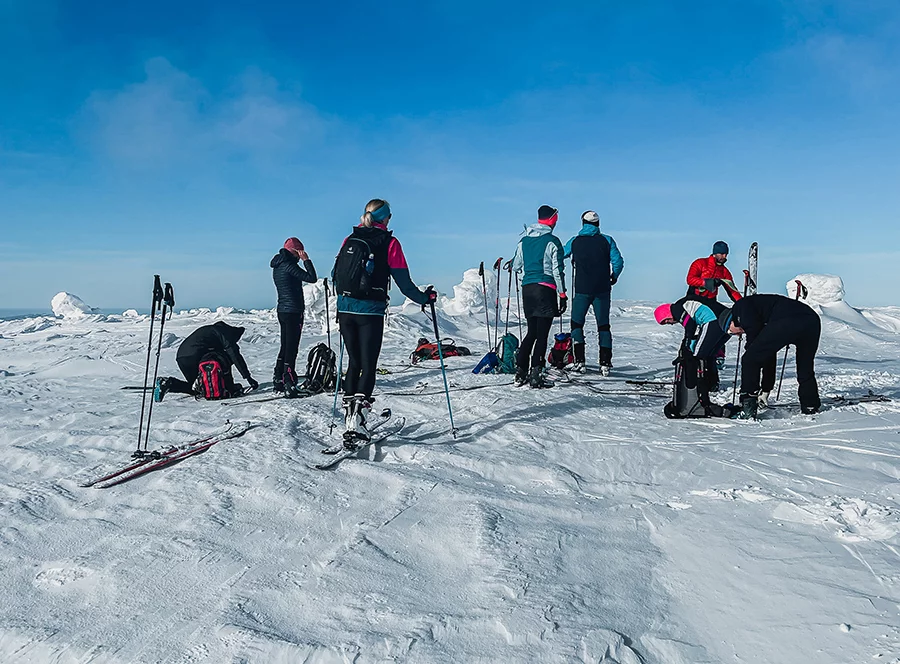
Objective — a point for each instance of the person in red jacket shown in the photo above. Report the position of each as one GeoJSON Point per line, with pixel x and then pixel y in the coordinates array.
{"type": "Point", "coordinates": [707, 274]}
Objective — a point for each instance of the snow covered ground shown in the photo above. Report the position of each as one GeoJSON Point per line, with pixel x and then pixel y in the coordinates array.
{"type": "Point", "coordinates": [560, 525]}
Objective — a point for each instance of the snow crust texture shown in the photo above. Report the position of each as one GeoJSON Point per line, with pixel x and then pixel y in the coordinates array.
{"type": "Point", "coordinates": [575, 524]}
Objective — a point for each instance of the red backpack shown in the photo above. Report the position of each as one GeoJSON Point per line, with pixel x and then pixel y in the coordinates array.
{"type": "Point", "coordinates": [561, 355]}
{"type": "Point", "coordinates": [211, 381]}
{"type": "Point", "coordinates": [429, 351]}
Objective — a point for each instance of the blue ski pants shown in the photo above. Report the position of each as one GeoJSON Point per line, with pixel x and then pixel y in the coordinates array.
{"type": "Point", "coordinates": [580, 305]}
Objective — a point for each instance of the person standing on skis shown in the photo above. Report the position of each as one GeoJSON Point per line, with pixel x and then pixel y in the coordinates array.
{"type": "Point", "coordinates": [539, 258]}
{"type": "Point", "coordinates": [706, 275]}
{"type": "Point", "coordinates": [289, 278]}
{"type": "Point", "coordinates": [369, 258]}
{"type": "Point", "coordinates": [772, 322]}
{"type": "Point", "coordinates": [597, 264]}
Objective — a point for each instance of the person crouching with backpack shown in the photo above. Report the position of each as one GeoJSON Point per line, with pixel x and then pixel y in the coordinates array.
{"type": "Point", "coordinates": [289, 278]}
{"type": "Point", "coordinates": [368, 259]}
{"type": "Point", "coordinates": [539, 256]}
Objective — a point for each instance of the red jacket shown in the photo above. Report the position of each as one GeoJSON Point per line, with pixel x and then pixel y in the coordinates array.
{"type": "Point", "coordinates": [707, 268]}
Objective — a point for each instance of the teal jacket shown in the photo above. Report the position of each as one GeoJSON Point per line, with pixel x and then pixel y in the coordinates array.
{"type": "Point", "coordinates": [539, 258]}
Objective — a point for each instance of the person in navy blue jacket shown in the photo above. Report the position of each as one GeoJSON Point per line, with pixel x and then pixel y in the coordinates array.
{"type": "Point", "coordinates": [598, 264]}
{"type": "Point", "coordinates": [289, 278]}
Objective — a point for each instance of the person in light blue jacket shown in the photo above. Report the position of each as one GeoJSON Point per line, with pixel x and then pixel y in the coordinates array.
{"type": "Point", "coordinates": [597, 264]}
{"type": "Point", "coordinates": [539, 259]}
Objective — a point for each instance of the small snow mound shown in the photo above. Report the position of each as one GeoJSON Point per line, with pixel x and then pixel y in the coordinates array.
{"type": "Point", "coordinates": [820, 288]}
{"type": "Point", "coordinates": [223, 312]}
{"type": "Point", "coordinates": [468, 296]}
{"type": "Point", "coordinates": [66, 305]}
{"type": "Point", "coordinates": [130, 313]}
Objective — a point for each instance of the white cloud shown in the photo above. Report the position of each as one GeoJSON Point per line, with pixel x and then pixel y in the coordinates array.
{"type": "Point", "coordinates": [171, 119]}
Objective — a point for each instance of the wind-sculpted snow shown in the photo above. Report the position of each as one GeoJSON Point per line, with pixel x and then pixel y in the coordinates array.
{"type": "Point", "coordinates": [560, 525]}
{"type": "Point", "coordinates": [66, 305]}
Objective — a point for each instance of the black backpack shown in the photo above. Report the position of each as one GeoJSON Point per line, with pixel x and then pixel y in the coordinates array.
{"type": "Point", "coordinates": [690, 397]}
{"type": "Point", "coordinates": [321, 370]}
{"type": "Point", "coordinates": [353, 269]}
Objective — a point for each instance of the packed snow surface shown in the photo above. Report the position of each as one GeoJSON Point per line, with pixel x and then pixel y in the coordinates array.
{"type": "Point", "coordinates": [561, 525]}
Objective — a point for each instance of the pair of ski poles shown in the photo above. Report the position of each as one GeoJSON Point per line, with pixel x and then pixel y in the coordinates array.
{"type": "Point", "coordinates": [164, 302]}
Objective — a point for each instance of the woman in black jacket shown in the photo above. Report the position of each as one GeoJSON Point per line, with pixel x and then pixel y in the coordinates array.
{"type": "Point", "coordinates": [289, 278]}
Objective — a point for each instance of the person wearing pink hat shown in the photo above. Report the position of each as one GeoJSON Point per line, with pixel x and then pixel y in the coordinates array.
{"type": "Point", "coordinates": [705, 330]}
{"type": "Point", "coordinates": [289, 278]}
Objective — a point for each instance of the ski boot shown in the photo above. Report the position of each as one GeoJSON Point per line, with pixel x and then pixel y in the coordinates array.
{"type": "Point", "coordinates": [521, 376]}
{"type": "Point", "coordinates": [762, 402]}
{"type": "Point", "coordinates": [161, 389]}
{"type": "Point", "coordinates": [289, 383]}
{"type": "Point", "coordinates": [749, 407]}
{"type": "Point", "coordinates": [536, 380]}
{"type": "Point", "coordinates": [578, 365]}
{"type": "Point", "coordinates": [278, 382]}
{"type": "Point", "coordinates": [356, 434]}
{"type": "Point", "coordinates": [605, 361]}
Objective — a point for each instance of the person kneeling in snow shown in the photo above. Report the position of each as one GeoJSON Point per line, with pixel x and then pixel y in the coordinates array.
{"type": "Point", "coordinates": [705, 335]}
{"type": "Point", "coordinates": [216, 348]}
{"type": "Point", "coordinates": [772, 322]}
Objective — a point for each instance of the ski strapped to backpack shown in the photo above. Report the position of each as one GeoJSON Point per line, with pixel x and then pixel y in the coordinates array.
{"type": "Point", "coordinates": [426, 350]}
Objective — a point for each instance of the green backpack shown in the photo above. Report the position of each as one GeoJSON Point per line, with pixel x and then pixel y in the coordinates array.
{"type": "Point", "coordinates": [506, 353]}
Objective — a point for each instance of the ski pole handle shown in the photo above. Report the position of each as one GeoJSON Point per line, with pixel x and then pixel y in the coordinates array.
{"type": "Point", "coordinates": [157, 290]}
{"type": "Point", "coordinates": [497, 263]}
{"type": "Point", "coordinates": [169, 297]}
{"type": "Point", "coordinates": [481, 269]}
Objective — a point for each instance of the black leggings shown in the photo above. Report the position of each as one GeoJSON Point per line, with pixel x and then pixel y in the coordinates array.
{"type": "Point", "coordinates": [362, 337]}
{"type": "Point", "coordinates": [291, 329]}
{"type": "Point", "coordinates": [535, 342]}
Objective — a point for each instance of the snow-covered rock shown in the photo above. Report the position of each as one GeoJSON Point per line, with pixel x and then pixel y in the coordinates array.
{"type": "Point", "coordinates": [66, 305]}
{"type": "Point", "coordinates": [820, 288]}
{"type": "Point", "coordinates": [468, 296]}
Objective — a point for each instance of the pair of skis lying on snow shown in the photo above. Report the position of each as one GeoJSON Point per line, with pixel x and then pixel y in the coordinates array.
{"type": "Point", "coordinates": [162, 458]}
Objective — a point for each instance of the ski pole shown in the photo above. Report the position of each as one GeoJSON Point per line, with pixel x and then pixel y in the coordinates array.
{"type": "Point", "coordinates": [518, 305]}
{"type": "Point", "coordinates": [508, 268]}
{"type": "Point", "coordinates": [168, 304]}
{"type": "Point", "coordinates": [327, 315]}
{"type": "Point", "coordinates": [784, 361]}
{"type": "Point", "coordinates": [487, 320]}
{"type": "Point", "coordinates": [737, 360]}
{"type": "Point", "coordinates": [157, 299]}
{"type": "Point", "coordinates": [337, 387]}
{"type": "Point", "coordinates": [497, 265]}
{"type": "Point", "coordinates": [437, 335]}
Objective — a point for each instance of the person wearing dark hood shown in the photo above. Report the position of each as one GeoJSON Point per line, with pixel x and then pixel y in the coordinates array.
{"type": "Point", "coordinates": [368, 259]}
{"type": "Point", "coordinates": [289, 278]}
{"type": "Point", "coordinates": [211, 343]}
{"type": "Point", "coordinates": [772, 322]}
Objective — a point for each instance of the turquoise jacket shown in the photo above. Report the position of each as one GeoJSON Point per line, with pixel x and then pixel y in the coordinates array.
{"type": "Point", "coordinates": [539, 258]}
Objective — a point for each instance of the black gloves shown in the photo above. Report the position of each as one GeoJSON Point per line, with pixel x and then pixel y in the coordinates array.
{"type": "Point", "coordinates": [253, 383]}
{"type": "Point", "coordinates": [613, 279]}
{"type": "Point", "coordinates": [430, 295]}
{"type": "Point", "coordinates": [563, 304]}
{"type": "Point", "coordinates": [710, 284]}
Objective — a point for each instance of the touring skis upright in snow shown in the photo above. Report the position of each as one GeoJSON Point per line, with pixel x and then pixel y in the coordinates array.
{"type": "Point", "coordinates": [750, 281]}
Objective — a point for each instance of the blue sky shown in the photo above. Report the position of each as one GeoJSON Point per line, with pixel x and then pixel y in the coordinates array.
{"type": "Point", "coordinates": [191, 138]}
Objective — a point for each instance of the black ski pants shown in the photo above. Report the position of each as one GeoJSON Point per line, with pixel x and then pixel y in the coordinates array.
{"type": "Point", "coordinates": [803, 332]}
{"type": "Point", "coordinates": [534, 345]}
{"type": "Point", "coordinates": [362, 337]}
{"type": "Point", "coordinates": [291, 325]}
